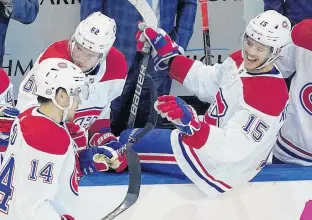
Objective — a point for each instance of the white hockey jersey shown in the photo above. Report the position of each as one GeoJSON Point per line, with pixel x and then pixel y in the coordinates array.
{"type": "Point", "coordinates": [106, 85]}
{"type": "Point", "coordinates": [38, 166]}
{"type": "Point", "coordinates": [240, 127]}
{"type": "Point", "coordinates": [294, 143]}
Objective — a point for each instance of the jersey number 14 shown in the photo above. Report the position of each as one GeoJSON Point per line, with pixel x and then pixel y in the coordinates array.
{"type": "Point", "coordinates": [6, 180]}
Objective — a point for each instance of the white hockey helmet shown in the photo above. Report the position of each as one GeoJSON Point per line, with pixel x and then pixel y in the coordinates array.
{"type": "Point", "coordinates": [97, 33]}
{"type": "Point", "coordinates": [271, 29]}
{"type": "Point", "coordinates": [54, 73]}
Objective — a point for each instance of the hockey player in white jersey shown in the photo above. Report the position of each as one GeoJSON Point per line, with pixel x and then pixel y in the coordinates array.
{"type": "Point", "coordinates": [91, 49]}
{"type": "Point", "coordinates": [40, 159]}
{"type": "Point", "coordinates": [294, 143]}
{"type": "Point", "coordinates": [248, 97]}
{"type": "Point", "coordinates": [7, 111]}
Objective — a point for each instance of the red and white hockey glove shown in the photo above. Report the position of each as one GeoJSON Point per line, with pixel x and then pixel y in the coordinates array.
{"type": "Point", "coordinates": [78, 134]}
{"type": "Point", "coordinates": [109, 142]}
{"type": "Point", "coordinates": [179, 113]}
{"type": "Point", "coordinates": [163, 48]}
{"type": "Point", "coordinates": [67, 217]}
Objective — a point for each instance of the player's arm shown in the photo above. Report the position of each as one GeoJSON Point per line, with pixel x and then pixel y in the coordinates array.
{"type": "Point", "coordinates": [7, 112]}
{"type": "Point", "coordinates": [185, 19]}
{"type": "Point", "coordinates": [87, 7]}
{"type": "Point", "coordinates": [286, 62]}
{"type": "Point", "coordinates": [24, 11]}
{"type": "Point", "coordinates": [276, 5]}
{"type": "Point", "coordinates": [301, 35]}
{"type": "Point", "coordinates": [249, 125]}
{"type": "Point", "coordinates": [203, 81]}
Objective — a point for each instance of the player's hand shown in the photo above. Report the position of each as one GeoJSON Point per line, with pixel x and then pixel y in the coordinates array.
{"type": "Point", "coordinates": [142, 43]}
{"type": "Point", "coordinates": [89, 160]}
{"type": "Point", "coordinates": [179, 113]}
{"type": "Point", "coordinates": [78, 134]}
{"type": "Point", "coordinates": [163, 48]}
{"type": "Point", "coordinates": [7, 117]}
{"type": "Point", "coordinates": [110, 142]}
{"type": "Point", "coordinates": [9, 112]}
{"type": "Point", "coordinates": [67, 217]}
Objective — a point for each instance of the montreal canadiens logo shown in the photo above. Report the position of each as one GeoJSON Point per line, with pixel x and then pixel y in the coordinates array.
{"type": "Point", "coordinates": [306, 98]}
{"type": "Point", "coordinates": [285, 24]}
{"type": "Point", "coordinates": [62, 65]}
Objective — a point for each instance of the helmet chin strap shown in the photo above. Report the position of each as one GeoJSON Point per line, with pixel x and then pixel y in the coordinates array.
{"type": "Point", "coordinates": [65, 110]}
{"type": "Point", "coordinates": [272, 58]}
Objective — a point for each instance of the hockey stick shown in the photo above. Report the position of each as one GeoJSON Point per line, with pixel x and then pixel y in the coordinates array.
{"type": "Point", "coordinates": [133, 159]}
{"type": "Point", "coordinates": [150, 19]}
{"type": "Point", "coordinates": [206, 34]}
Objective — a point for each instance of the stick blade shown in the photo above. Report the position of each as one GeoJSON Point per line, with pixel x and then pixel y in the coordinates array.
{"type": "Point", "coordinates": [132, 196]}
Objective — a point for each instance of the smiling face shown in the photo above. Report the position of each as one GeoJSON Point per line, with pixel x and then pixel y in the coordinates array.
{"type": "Point", "coordinates": [255, 53]}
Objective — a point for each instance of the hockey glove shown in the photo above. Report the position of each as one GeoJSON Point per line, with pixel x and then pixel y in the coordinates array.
{"type": "Point", "coordinates": [307, 211]}
{"type": "Point", "coordinates": [7, 117]}
{"type": "Point", "coordinates": [78, 134]}
{"type": "Point", "coordinates": [91, 160]}
{"type": "Point", "coordinates": [109, 141]}
{"type": "Point", "coordinates": [183, 116]}
{"type": "Point", "coordinates": [67, 217]}
{"type": "Point", "coordinates": [163, 48]}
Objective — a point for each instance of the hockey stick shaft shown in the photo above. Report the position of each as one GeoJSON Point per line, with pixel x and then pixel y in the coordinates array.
{"type": "Point", "coordinates": [138, 90]}
{"type": "Point", "coordinates": [206, 33]}
{"type": "Point", "coordinates": [150, 19]}
{"type": "Point", "coordinates": [133, 159]}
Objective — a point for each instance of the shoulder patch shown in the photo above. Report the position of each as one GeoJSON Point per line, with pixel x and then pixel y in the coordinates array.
{"type": "Point", "coordinates": [45, 136]}
{"type": "Point", "coordinates": [59, 49]}
{"type": "Point", "coordinates": [237, 57]}
{"type": "Point", "coordinates": [266, 94]}
{"type": "Point", "coordinates": [116, 66]}
{"type": "Point", "coordinates": [5, 81]}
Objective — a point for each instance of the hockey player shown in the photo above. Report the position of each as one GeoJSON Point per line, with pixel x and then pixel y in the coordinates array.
{"type": "Point", "coordinates": [248, 99]}
{"type": "Point", "coordinates": [7, 111]}
{"type": "Point", "coordinates": [41, 155]}
{"type": "Point", "coordinates": [294, 141]}
{"type": "Point", "coordinates": [90, 48]}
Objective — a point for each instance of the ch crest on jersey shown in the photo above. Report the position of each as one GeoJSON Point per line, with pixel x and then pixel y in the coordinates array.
{"type": "Point", "coordinates": [216, 110]}
{"type": "Point", "coordinates": [86, 117]}
{"type": "Point", "coordinates": [306, 98]}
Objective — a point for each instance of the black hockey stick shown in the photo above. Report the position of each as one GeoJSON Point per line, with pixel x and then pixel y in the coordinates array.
{"type": "Point", "coordinates": [138, 90]}
{"type": "Point", "coordinates": [206, 34]}
{"type": "Point", "coordinates": [150, 19]}
{"type": "Point", "coordinates": [133, 158]}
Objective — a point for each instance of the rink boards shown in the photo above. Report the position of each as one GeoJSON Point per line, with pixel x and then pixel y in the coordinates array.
{"type": "Point", "coordinates": [278, 192]}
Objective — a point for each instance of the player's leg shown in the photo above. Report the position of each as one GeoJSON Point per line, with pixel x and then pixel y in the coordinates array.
{"type": "Point", "coordinates": [275, 160]}
{"type": "Point", "coordinates": [155, 152]}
